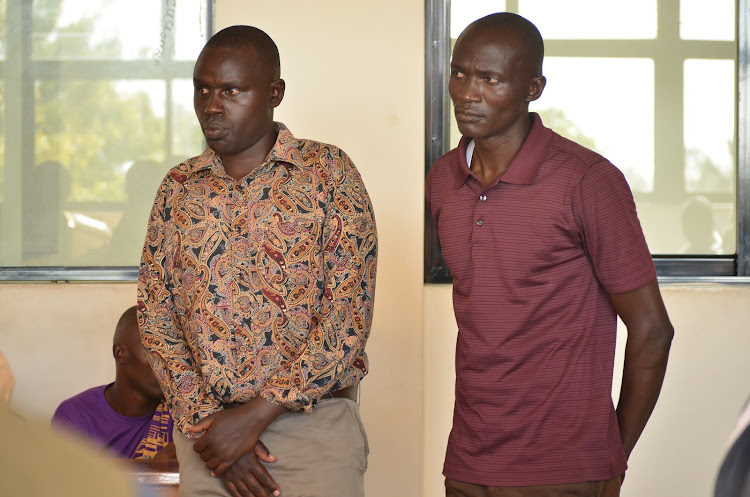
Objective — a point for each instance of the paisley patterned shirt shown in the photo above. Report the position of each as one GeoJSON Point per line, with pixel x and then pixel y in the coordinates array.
{"type": "Point", "coordinates": [260, 286]}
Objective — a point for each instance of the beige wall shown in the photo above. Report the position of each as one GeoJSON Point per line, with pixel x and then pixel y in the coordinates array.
{"type": "Point", "coordinates": [355, 78]}
{"type": "Point", "coordinates": [58, 339]}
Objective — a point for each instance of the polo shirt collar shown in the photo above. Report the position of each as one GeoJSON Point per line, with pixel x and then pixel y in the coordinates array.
{"type": "Point", "coordinates": [525, 164]}
{"type": "Point", "coordinates": [285, 141]}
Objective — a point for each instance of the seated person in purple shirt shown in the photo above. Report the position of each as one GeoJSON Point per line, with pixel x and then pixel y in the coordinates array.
{"type": "Point", "coordinates": [128, 416]}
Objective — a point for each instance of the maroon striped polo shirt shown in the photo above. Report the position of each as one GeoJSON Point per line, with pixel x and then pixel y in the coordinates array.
{"type": "Point", "coordinates": [534, 257]}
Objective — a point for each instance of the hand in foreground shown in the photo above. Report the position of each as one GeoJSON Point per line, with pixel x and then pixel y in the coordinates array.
{"type": "Point", "coordinates": [167, 452]}
{"type": "Point", "coordinates": [232, 433]}
{"type": "Point", "coordinates": [249, 478]}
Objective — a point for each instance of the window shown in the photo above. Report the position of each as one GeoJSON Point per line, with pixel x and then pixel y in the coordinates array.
{"type": "Point", "coordinates": [96, 106]}
{"type": "Point", "coordinates": [653, 86]}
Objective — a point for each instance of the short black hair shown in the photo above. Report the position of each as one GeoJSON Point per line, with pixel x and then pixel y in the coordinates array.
{"type": "Point", "coordinates": [241, 36]}
{"type": "Point", "coordinates": [532, 38]}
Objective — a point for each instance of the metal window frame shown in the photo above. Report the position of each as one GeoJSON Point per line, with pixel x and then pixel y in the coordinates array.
{"type": "Point", "coordinates": [17, 12]}
{"type": "Point", "coordinates": [708, 269]}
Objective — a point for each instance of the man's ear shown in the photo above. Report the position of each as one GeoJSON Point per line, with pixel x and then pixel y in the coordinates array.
{"type": "Point", "coordinates": [278, 88]}
{"type": "Point", "coordinates": [120, 353]}
{"type": "Point", "coordinates": [536, 88]}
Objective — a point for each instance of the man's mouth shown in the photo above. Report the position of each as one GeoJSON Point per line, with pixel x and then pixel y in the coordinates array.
{"type": "Point", "coordinates": [467, 116]}
{"type": "Point", "coordinates": [213, 132]}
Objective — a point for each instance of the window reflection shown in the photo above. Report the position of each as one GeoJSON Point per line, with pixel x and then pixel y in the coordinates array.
{"type": "Point", "coordinates": [709, 125]}
{"type": "Point", "coordinates": [189, 19]}
{"type": "Point", "coordinates": [592, 19]}
{"type": "Point", "coordinates": [97, 120]}
{"type": "Point", "coordinates": [3, 28]}
{"type": "Point", "coordinates": [118, 29]}
{"type": "Point", "coordinates": [623, 131]}
{"type": "Point", "coordinates": [700, 20]}
{"type": "Point", "coordinates": [187, 138]}
{"type": "Point", "coordinates": [95, 127]}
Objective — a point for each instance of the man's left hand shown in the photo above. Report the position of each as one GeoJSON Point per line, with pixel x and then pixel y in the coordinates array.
{"type": "Point", "coordinates": [167, 452]}
{"type": "Point", "coordinates": [232, 433]}
{"type": "Point", "coordinates": [249, 478]}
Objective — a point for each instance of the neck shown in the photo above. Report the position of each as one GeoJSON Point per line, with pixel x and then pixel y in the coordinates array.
{"type": "Point", "coordinates": [240, 165]}
{"type": "Point", "coordinates": [128, 402]}
{"type": "Point", "coordinates": [493, 155]}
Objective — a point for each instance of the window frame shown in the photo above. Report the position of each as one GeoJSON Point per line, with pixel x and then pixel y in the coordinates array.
{"type": "Point", "coordinates": [19, 14]}
{"type": "Point", "coordinates": [705, 269]}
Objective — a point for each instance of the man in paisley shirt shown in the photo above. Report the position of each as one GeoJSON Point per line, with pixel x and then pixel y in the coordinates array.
{"type": "Point", "coordinates": [256, 290]}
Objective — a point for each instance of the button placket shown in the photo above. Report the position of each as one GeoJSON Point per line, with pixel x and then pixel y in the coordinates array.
{"type": "Point", "coordinates": [482, 198]}
{"type": "Point", "coordinates": [236, 214]}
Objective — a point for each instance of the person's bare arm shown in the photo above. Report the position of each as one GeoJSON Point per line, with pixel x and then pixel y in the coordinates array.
{"type": "Point", "coordinates": [649, 338]}
{"type": "Point", "coordinates": [249, 478]}
{"type": "Point", "coordinates": [229, 434]}
{"type": "Point", "coordinates": [167, 452]}
{"type": "Point", "coordinates": [231, 449]}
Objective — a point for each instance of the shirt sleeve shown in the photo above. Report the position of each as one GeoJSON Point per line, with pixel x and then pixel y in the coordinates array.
{"type": "Point", "coordinates": [333, 356]}
{"type": "Point", "coordinates": [162, 332]}
{"type": "Point", "coordinates": [605, 212]}
{"type": "Point", "coordinates": [69, 418]}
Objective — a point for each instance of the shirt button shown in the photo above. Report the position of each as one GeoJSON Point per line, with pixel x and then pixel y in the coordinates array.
{"type": "Point", "coordinates": [480, 222]}
{"type": "Point", "coordinates": [483, 198]}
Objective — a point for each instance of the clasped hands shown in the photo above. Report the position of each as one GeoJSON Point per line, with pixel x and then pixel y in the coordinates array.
{"type": "Point", "coordinates": [232, 450]}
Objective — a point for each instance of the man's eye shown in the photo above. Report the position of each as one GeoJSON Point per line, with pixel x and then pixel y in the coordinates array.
{"type": "Point", "coordinates": [492, 81]}
{"type": "Point", "coordinates": [201, 91]}
{"type": "Point", "coordinates": [233, 91]}
{"type": "Point", "coordinates": [457, 74]}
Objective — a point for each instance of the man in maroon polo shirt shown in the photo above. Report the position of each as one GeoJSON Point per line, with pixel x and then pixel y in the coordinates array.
{"type": "Point", "coordinates": [543, 242]}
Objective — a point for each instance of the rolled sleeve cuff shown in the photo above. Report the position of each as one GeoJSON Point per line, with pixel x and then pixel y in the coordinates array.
{"type": "Point", "coordinates": [190, 419]}
{"type": "Point", "coordinates": [291, 399]}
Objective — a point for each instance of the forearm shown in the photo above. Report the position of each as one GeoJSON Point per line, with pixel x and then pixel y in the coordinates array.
{"type": "Point", "coordinates": [230, 434]}
{"type": "Point", "coordinates": [260, 413]}
{"type": "Point", "coordinates": [643, 375]}
{"type": "Point", "coordinates": [173, 363]}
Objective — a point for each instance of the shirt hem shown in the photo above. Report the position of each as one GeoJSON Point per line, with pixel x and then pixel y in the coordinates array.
{"type": "Point", "coordinates": [492, 481]}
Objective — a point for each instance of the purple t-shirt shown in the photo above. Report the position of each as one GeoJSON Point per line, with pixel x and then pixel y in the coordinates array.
{"type": "Point", "coordinates": [89, 414]}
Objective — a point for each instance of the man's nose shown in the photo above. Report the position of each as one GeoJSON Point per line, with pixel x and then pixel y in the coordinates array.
{"type": "Point", "coordinates": [469, 91]}
{"type": "Point", "coordinates": [214, 104]}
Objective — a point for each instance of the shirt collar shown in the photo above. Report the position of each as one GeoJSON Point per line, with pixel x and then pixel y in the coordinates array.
{"type": "Point", "coordinates": [285, 142]}
{"type": "Point", "coordinates": [525, 164]}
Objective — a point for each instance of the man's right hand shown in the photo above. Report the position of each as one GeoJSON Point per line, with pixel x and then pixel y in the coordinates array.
{"type": "Point", "coordinates": [229, 434]}
{"type": "Point", "coordinates": [249, 478]}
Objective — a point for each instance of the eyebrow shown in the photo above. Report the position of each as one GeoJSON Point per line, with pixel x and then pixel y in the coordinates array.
{"type": "Point", "coordinates": [224, 84]}
{"type": "Point", "coordinates": [480, 71]}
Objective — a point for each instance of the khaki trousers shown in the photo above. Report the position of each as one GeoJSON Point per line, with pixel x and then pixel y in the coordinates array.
{"type": "Point", "coordinates": [607, 488]}
{"type": "Point", "coordinates": [323, 454]}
